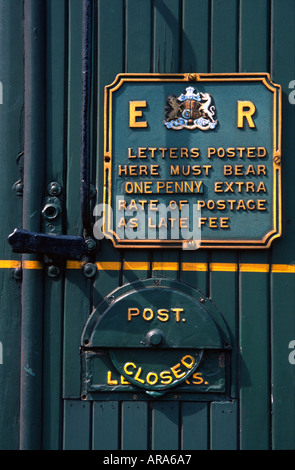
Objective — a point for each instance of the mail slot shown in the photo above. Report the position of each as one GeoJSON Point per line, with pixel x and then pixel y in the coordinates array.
{"type": "Point", "coordinates": [155, 336]}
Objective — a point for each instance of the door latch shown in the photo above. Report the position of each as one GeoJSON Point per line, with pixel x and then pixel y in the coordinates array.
{"type": "Point", "coordinates": [51, 242]}
{"type": "Point", "coordinates": [70, 247]}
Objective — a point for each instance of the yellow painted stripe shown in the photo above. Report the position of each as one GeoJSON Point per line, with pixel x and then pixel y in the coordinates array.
{"type": "Point", "coordinates": [10, 264]}
{"type": "Point", "coordinates": [109, 265]}
{"type": "Point", "coordinates": [162, 266]}
{"type": "Point", "coordinates": [254, 268]}
{"type": "Point", "coordinates": [73, 265]}
{"type": "Point", "coordinates": [136, 265]}
{"type": "Point", "coordinates": [27, 264]}
{"type": "Point", "coordinates": [224, 267]}
{"type": "Point", "coordinates": [194, 267]}
{"type": "Point", "coordinates": [283, 268]}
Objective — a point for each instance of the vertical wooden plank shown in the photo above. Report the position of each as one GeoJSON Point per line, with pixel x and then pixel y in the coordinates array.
{"type": "Point", "coordinates": [195, 36]}
{"type": "Point", "coordinates": [135, 426]}
{"type": "Point", "coordinates": [167, 28]}
{"type": "Point", "coordinates": [11, 146]}
{"type": "Point", "coordinates": [283, 252]}
{"type": "Point", "coordinates": [76, 312]}
{"type": "Point", "coordinates": [105, 432]}
{"type": "Point", "coordinates": [254, 363]}
{"type": "Point", "coordinates": [110, 62]}
{"type": "Point", "coordinates": [254, 286]}
{"type": "Point", "coordinates": [194, 269]}
{"type": "Point", "coordinates": [76, 425]}
{"type": "Point", "coordinates": [195, 420]}
{"type": "Point", "coordinates": [224, 35]}
{"type": "Point", "coordinates": [223, 267]}
{"type": "Point", "coordinates": [165, 426]}
{"type": "Point", "coordinates": [223, 426]}
{"type": "Point", "coordinates": [55, 156]}
{"type": "Point", "coordinates": [138, 36]}
{"type": "Point", "coordinates": [254, 35]}
{"type": "Point", "coordinates": [52, 375]}
{"type": "Point", "coordinates": [77, 297]}
{"type": "Point", "coordinates": [283, 370]}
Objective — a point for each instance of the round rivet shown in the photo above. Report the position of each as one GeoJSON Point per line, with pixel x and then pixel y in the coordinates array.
{"type": "Point", "coordinates": [91, 244]}
{"type": "Point", "coordinates": [155, 337]}
{"type": "Point", "coordinates": [54, 189]}
{"type": "Point", "coordinates": [89, 269]}
{"type": "Point", "coordinates": [18, 187]}
{"type": "Point", "coordinates": [17, 274]}
{"type": "Point", "coordinates": [53, 271]}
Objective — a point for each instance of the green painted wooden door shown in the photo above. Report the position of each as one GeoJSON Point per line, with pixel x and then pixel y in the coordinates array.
{"type": "Point", "coordinates": [254, 290]}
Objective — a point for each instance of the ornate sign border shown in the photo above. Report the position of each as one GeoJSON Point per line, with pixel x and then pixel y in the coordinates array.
{"type": "Point", "coordinates": [192, 78]}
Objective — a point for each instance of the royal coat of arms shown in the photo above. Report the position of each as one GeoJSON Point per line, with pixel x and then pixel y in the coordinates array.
{"type": "Point", "coordinates": [190, 111]}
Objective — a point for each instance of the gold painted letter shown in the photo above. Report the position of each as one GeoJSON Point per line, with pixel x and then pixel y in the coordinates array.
{"type": "Point", "coordinates": [246, 109]}
{"type": "Point", "coordinates": [134, 113]}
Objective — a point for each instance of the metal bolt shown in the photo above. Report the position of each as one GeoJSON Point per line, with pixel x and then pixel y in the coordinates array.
{"type": "Point", "coordinates": [18, 187]}
{"type": "Point", "coordinates": [53, 271]}
{"type": "Point", "coordinates": [89, 269]}
{"type": "Point", "coordinates": [155, 337]}
{"type": "Point", "coordinates": [17, 274]}
{"type": "Point", "coordinates": [202, 300]}
{"type": "Point", "coordinates": [54, 188]}
{"type": "Point", "coordinates": [192, 77]}
{"type": "Point", "coordinates": [91, 244]}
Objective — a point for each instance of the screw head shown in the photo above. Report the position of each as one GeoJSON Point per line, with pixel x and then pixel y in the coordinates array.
{"type": "Point", "coordinates": [54, 188]}
{"type": "Point", "coordinates": [18, 187]}
{"type": "Point", "coordinates": [53, 270]}
{"type": "Point", "coordinates": [89, 270]}
{"type": "Point", "coordinates": [17, 274]}
{"type": "Point", "coordinates": [91, 244]}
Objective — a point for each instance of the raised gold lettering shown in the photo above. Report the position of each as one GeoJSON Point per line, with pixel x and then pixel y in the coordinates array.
{"type": "Point", "coordinates": [246, 109]}
{"type": "Point", "coordinates": [135, 113]}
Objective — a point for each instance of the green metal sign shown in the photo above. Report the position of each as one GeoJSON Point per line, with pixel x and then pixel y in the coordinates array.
{"type": "Point", "coordinates": [192, 161]}
{"type": "Point", "coordinates": [155, 336]}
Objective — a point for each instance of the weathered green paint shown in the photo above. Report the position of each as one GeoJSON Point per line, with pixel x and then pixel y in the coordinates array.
{"type": "Point", "coordinates": [173, 36]}
{"type": "Point", "coordinates": [56, 102]}
{"type": "Point", "coordinates": [11, 147]}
